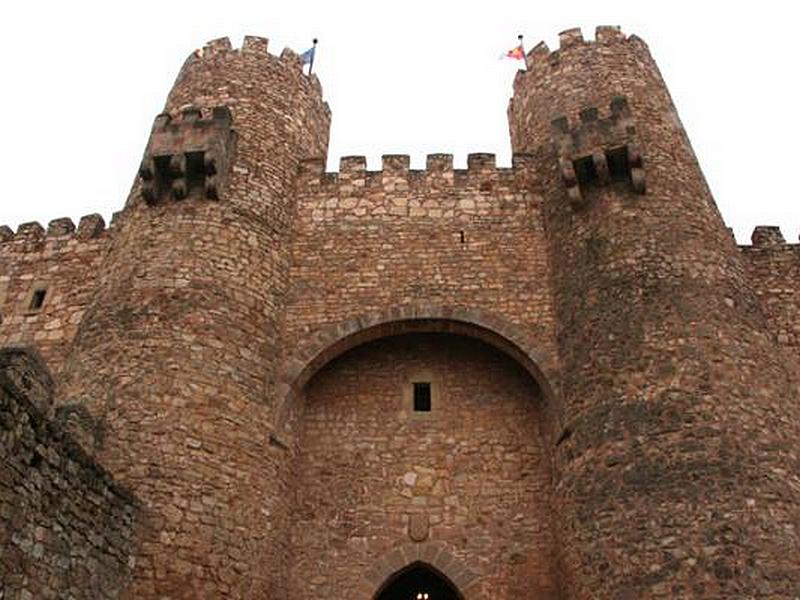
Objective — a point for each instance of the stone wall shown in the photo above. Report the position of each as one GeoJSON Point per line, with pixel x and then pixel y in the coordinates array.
{"type": "Point", "coordinates": [63, 261]}
{"type": "Point", "coordinates": [773, 268]}
{"type": "Point", "coordinates": [241, 358]}
{"type": "Point", "coordinates": [368, 243]}
{"type": "Point", "coordinates": [66, 528]}
{"type": "Point", "coordinates": [471, 475]}
{"type": "Point", "coordinates": [176, 350]}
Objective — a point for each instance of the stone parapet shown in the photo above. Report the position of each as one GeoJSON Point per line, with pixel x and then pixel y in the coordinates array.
{"type": "Point", "coordinates": [32, 236]}
{"type": "Point", "coordinates": [437, 192]}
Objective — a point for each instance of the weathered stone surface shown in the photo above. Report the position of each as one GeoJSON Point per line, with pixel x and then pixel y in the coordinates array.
{"type": "Point", "coordinates": [418, 527]}
{"type": "Point", "coordinates": [678, 403]}
{"type": "Point", "coordinates": [614, 384]}
{"type": "Point", "coordinates": [66, 528]}
{"type": "Point", "coordinates": [482, 485]}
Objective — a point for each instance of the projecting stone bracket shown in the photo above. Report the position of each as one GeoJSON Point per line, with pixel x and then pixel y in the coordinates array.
{"type": "Point", "coordinates": [598, 152]}
{"type": "Point", "coordinates": [189, 156]}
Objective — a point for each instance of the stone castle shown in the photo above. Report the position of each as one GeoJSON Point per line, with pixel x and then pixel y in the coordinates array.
{"type": "Point", "coordinates": [558, 380]}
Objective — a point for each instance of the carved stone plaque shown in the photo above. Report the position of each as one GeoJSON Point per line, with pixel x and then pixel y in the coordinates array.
{"type": "Point", "coordinates": [418, 527]}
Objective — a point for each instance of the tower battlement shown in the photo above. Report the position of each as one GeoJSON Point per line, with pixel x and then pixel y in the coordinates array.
{"type": "Point", "coordinates": [540, 59]}
{"type": "Point", "coordinates": [255, 48]}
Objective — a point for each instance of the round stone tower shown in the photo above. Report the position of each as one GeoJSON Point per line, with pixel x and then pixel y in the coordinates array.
{"type": "Point", "coordinates": [174, 356]}
{"type": "Point", "coordinates": [676, 466]}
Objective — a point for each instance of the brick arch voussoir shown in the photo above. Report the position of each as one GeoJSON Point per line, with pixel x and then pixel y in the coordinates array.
{"type": "Point", "coordinates": [325, 344]}
{"type": "Point", "coordinates": [436, 555]}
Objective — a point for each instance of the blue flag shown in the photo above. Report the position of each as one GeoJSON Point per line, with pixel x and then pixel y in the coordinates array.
{"type": "Point", "coordinates": [308, 55]}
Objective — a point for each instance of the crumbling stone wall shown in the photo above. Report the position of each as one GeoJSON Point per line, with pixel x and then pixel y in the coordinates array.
{"type": "Point", "coordinates": [66, 528]}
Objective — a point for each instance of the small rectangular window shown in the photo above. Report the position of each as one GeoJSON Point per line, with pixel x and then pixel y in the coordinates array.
{"type": "Point", "coordinates": [422, 397]}
{"type": "Point", "coordinates": [37, 300]}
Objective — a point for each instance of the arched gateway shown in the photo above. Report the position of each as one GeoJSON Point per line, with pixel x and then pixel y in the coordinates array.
{"type": "Point", "coordinates": [418, 569]}
{"type": "Point", "coordinates": [422, 460]}
{"type": "Point", "coordinates": [419, 582]}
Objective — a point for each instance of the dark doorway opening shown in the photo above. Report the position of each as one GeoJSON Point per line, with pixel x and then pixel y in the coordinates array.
{"type": "Point", "coordinates": [416, 581]}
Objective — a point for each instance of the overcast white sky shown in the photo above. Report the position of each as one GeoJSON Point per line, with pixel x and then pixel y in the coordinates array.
{"type": "Point", "coordinates": [82, 81]}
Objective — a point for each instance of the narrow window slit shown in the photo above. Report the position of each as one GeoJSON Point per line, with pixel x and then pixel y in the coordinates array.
{"type": "Point", "coordinates": [37, 300]}
{"type": "Point", "coordinates": [422, 397]}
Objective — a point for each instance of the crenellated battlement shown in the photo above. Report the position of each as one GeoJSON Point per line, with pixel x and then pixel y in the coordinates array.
{"type": "Point", "coordinates": [767, 239]}
{"type": "Point", "coordinates": [438, 167]}
{"type": "Point", "coordinates": [768, 242]}
{"type": "Point", "coordinates": [47, 276]}
{"type": "Point", "coordinates": [255, 47]}
{"type": "Point", "coordinates": [765, 236]}
{"type": "Point", "coordinates": [396, 191]}
{"type": "Point", "coordinates": [580, 100]}
{"type": "Point", "coordinates": [541, 58]}
{"type": "Point", "coordinates": [32, 236]}
{"type": "Point", "coordinates": [266, 95]}
{"type": "Point", "coordinates": [594, 124]}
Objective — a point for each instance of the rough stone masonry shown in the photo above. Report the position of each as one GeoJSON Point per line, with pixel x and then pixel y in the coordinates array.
{"type": "Point", "coordinates": [556, 380]}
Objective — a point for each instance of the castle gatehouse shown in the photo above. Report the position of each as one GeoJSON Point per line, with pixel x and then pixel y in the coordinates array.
{"type": "Point", "coordinates": [555, 379]}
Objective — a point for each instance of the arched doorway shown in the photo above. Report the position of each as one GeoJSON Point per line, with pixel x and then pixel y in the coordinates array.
{"type": "Point", "coordinates": [418, 582]}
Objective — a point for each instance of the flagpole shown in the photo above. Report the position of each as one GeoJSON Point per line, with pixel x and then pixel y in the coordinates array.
{"type": "Point", "coordinates": [313, 54]}
{"type": "Point", "coordinates": [522, 47]}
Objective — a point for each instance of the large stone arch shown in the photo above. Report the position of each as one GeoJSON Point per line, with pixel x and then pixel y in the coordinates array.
{"type": "Point", "coordinates": [319, 347]}
{"type": "Point", "coordinates": [437, 555]}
